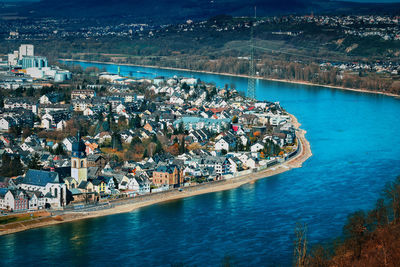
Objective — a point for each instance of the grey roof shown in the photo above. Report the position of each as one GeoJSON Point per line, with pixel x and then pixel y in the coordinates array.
{"type": "Point", "coordinates": [82, 185]}
{"type": "Point", "coordinates": [97, 182]}
{"type": "Point", "coordinates": [3, 192]}
{"type": "Point", "coordinates": [75, 191]}
{"type": "Point", "coordinates": [40, 178]}
{"type": "Point", "coordinates": [93, 157]}
{"type": "Point", "coordinates": [92, 172]}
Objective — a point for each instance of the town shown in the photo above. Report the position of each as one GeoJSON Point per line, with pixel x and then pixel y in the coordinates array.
{"type": "Point", "coordinates": [124, 137]}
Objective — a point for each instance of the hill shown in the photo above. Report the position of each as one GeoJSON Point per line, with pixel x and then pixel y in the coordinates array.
{"type": "Point", "coordinates": [170, 11]}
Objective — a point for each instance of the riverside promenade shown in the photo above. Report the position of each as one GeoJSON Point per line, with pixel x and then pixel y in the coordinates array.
{"type": "Point", "coordinates": [296, 160]}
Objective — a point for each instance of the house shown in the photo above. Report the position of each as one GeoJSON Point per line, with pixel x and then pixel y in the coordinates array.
{"type": "Point", "coordinates": [103, 137]}
{"type": "Point", "coordinates": [99, 186]}
{"type": "Point", "coordinates": [144, 183]}
{"type": "Point", "coordinates": [82, 94]}
{"type": "Point", "coordinates": [235, 164]}
{"type": "Point", "coordinates": [257, 147]}
{"type": "Point", "coordinates": [150, 126]}
{"type": "Point", "coordinates": [6, 199]}
{"type": "Point", "coordinates": [96, 160]}
{"type": "Point", "coordinates": [67, 142]}
{"type": "Point", "coordinates": [86, 187]}
{"type": "Point", "coordinates": [37, 201]}
{"type": "Point", "coordinates": [13, 199]}
{"type": "Point", "coordinates": [110, 184]}
{"type": "Point", "coordinates": [227, 142]}
{"type": "Point", "coordinates": [199, 136]}
{"type": "Point", "coordinates": [132, 184]}
{"type": "Point", "coordinates": [196, 123]}
{"type": "Point", "coordinates": [80, 105]}
{"type": "Point", "coordinates": [7, 122]}
{"type": "Point", "coordinates": [70, 183]}
{"type": "Point", "coordinates": [50, 98]}
{"type": "Point", "coordinates": [21, 102]}
{"type": "Point", "coordinates": [168, 175]}
{"type": "Point", "coordinates": [91, 147]}
{"type": "Point", "coordinates": [250, 163]}
{"type": "Point", "coordinates": [88, 112]}
{"type": "Point", "coordinates": [221, 144]}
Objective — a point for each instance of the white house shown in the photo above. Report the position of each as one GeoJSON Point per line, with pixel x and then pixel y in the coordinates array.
{"type": "Point", "coordinates": [176, 100]}
{"type": "Point", "coordinates": [257, 147]}
{"type": "Point", "coordinates": [36, 201]}
{"type": "Point", "coordinates": [44, 99]}
{"type": "Point", "coordinates": [61, 125]}
{"type": "Point", "coordinates": [133, 184]}
{"type": "Point", "coordinates": [88, 112]}
{"type": "Point", "coordinates": [6, 199]}
{"type": "Point", "coordinates": [221, 144]}
{"type": "Point", "coordinates": [67, 142]}
{"type": "Point", "coordinates": [46, 123]}
{"type": "Point", "coordinates": [250, 163]}
{"type": "Point", "coordinates": [13, 200]}
{"type": "Point", "coordinates": [6, 123]}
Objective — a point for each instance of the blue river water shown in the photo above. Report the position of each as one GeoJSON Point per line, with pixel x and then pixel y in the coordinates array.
{"type": "Point", "coordinates": [355, 143]}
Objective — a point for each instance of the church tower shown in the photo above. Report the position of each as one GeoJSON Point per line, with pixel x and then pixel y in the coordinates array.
{"type": "Point", "coordinates": [79, 161]}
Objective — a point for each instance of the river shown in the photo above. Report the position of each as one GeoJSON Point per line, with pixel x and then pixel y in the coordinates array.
{"type": "Point", "coordinates": [355, 143]}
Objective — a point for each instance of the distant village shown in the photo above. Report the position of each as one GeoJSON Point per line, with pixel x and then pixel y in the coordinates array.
{"type": "Point", "coordinates": [128, 137]}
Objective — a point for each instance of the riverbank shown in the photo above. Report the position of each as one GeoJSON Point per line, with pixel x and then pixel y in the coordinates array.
{"type": "Point", "coordinates": [240, 75]}
{"type": "Point", "coordinates": [303, 154]}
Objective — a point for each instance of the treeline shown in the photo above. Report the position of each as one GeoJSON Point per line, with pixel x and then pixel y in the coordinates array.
{"type": "Point", "coordinates": [370, 238]}
{"type": "Point", "coordinates": [277, 69]}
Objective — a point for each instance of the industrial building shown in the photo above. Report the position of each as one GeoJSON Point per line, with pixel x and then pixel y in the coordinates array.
{"type": "Point", "coordinates": [24, 62]}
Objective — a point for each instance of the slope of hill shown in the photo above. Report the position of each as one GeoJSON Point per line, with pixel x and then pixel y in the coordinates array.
{"type": "Point", "coordinates": [170, 11]}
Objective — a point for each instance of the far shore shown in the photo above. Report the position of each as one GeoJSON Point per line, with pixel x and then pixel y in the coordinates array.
{"type": "Point", "coordinates": [240, 75]}
{"type": "Point", "coordinates": [295, 162]}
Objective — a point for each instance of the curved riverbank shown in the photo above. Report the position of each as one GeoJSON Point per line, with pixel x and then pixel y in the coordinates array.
{"type": "Point", "coordinates": [124, 206]}
{"type": "Point", "coordinates": [238, 75]}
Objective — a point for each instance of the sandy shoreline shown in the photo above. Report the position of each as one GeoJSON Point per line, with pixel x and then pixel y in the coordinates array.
{"type": "Point", "coordinates": [239, 75]}
{"type": "Point", "coordinates": [295, 162]}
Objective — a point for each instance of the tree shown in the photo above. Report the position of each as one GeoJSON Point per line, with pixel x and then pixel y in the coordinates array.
{"type": "Point", "coordinates": [159, 148]}
{"type": "Point", "coordinates": [35, 163]}
{"type": "Point", "coordinates": [182, 148]}
{"type": "Point", "coordinates": [137, 122]}
{"type": "Point", "coordinates": [16, 166]}
{"type": "Point", "coordinates": [15, 130]}
{"type": "Point", "coordinates": [26, 132]}
{"type": "Point", "coordinates": [185, 87]}
{"type": "Point", "coordinates": [235, 119]}
{"type": "Point", "coordinates": [378, 217]}
{"type": "Point", "coordinates": [116, 141]}
{"type": "Point", "coordinates": [122, 122]}
{"type": "Point", "coordinates": [60, 149]}
{"type": "Point", "coordinates": [181, 128]}
{"type": "Point", "coordinates": [355, 230]}
{"type": "Point", "coordinates": [300, 246]}
{"type": "Point", "coordinates": [6, 162]}
{"type": "Point", "coordinates": [392, 192]}
{"type": "Point", "coordinates": [135, 140]}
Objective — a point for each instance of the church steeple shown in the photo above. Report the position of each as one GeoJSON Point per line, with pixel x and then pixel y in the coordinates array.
{"type": "Point", "coordinates": [78, 160]}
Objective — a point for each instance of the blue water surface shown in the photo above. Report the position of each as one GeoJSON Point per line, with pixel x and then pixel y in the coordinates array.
{"type": "Point", "coordinates": [355, 143]}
